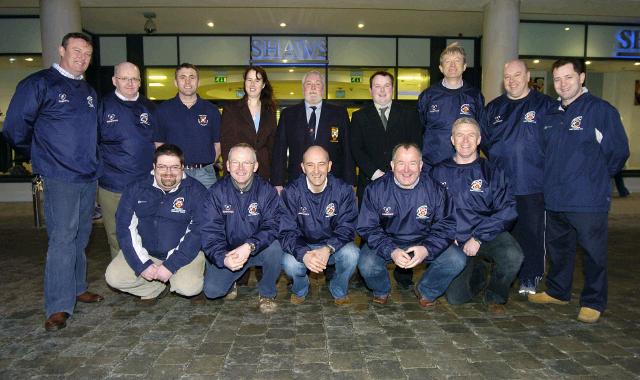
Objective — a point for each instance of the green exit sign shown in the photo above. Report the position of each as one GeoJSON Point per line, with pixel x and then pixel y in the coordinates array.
{"type": "Point", "coordinates": [356, 79]}
{"type": "Point", "coordinates": [220, 79]}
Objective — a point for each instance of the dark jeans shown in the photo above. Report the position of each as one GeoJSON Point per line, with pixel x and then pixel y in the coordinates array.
{"type": "Point", "coordinates": [564, 230]}
{"type": "Point", "coordinates": [218, 281]}
{"type": "Point", "coordinates": [529, 233]}
{"type": "Point", "coordinates": [507, 256]}
{"type": "Point", "coordinates": [435, 280]}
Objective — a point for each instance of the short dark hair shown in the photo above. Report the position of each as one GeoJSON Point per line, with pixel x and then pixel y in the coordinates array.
{"type": "Point", "coordinates": [381, 73]}
{"type": "Point", "coordinates": [186, 65]}
{"type": "Point", "coordinates": [405, 146]}
{"type": "Point", "coordinates": [81, 36]}
{"type": "Point", "coordinates": [168, 150]}
{"type": "Point", "coordinates": [577, 63]}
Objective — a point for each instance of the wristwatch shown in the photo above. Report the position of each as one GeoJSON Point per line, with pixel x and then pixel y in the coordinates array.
{"type": "Point", "coordinates": [252, 247]}
{"type": "Point", "coordinates": [331, 249]}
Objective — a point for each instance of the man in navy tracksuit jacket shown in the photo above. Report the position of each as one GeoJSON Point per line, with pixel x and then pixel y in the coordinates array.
{"type": "Point", "coordinates": [585, 145]}
{"type": "Point", "coordinates": [125, 121]}
{"type": "Point", "coordinates": [512, 139]}
{"type": "Point", "coordinates": [52, 116]}
{"type": "Point", "coordinates": [158, 227]}
{"type": "Point", "coordinates": [240, 229]}
{"type": "Point", "coordinates": [408, 218]}
{"type": "Point", "coordinates": [485, 209]}
{"type": "Point", "coordinates": [318, 226]}
{"type": "Point", "coordinates": [443, 103]}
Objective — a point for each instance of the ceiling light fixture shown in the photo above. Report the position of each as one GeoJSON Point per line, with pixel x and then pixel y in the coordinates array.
{"type": "Point", "coordinates": [155, 84]}
{"type": "Point", "coordinates": [150, 25]}
{"type": "Point", "coordinates": [29, 59]}
{"type": "Point", "coordinates": [283, 24]}
{"type": "Point", "coordinates": [210, 24]}
{"type": "Point", "coordinates": [157, 77]}
{"type": "Point", "coordinates": [291, 70]}
{"type": "Point", "coordinates": [587, 62]}
{"type": "Point", "coordinates": [636, 63]}
{"type": "Point", "coordinates": [566, 28]}
{"type": "Point", "coordinates": [536, 61]}
{"type": "Point", "coordinates": [360, 25]}
{"type": "Point", "coordinates": [12, 60]}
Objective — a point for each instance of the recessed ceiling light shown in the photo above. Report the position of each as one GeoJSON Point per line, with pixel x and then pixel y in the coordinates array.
{"type": "Point", "coordinates": [12, 60]}
{"type": "Point", "coordinates": [291, 70]}
{"type": "Point", "coordinates": [29, 59]}
{"type": "Point", "coordinates": [157, 77]}
{"type": "Point", "coordinates": [636, 63]}
{"type": "Point", "coordinates": [567, 28]}
{"type": "Point", "coordinates": [536, 61]}
{"type": "Point", "coordinates": [283, 24]}
{"type": "Point", "coordinates": [152, 98]}
{"type": "Point", "coordinates": [210, 24]}
{"type": "Point", "coordinates": [360, 25]}
{"type": "Point", "coordinates": [155, 84]}
{"type": "Point", "coordinates": [587, 62]}
{"type": "Point", "coordinates": [285, 60]}
{"type": "Point", "coordinates": [291, 93]}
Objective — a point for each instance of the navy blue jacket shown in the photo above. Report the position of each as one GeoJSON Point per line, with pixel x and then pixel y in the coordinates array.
{"type": "Point", "coordinates": [584, 147]}
{"type": "Point", "coordinates": [53, 119]}
{"type": "Point", "coordinates": [126, 140]}
{"type": "Point", "coordinates": [194, 130]}
{"type": "Point", "coordinates": [484, 204]}
{"type": "Point", "coordinates": [232, 218]}
{"type": "Point", "coordinates": [512, 139]}
{"type": "Point", "coordinates": [392, 217]}
{"type": "Point", "coordinates": [152, 222]}
{"type": "Point", "coordinates": [292, 134]}
{"type": "Point", "coordinates": [439, 107]}
{"type": "Point", "coordinates": [327, 218]}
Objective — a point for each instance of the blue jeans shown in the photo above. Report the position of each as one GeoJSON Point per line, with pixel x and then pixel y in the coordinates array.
{"type": "Point", "coordinates": [345, 259]}
{"type": "Point", "coordinates": [218, 281]}
{"type": "Point", "coordinates": [206, 176]}
{"type": "Point", "coordinates": [68, 207]}
{"type": "Point", "coordinates": [435, 280]}
{"type": "Point", "coordinates": [505, 252]}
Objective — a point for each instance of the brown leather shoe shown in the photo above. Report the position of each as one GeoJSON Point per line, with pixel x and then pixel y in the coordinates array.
{"type": "Point", "coordinates": [199, 299]}
{"type": "Point", "coordinates": [422, 301]}
{"type": "Point", "coordinates": [496, 309]}
{"type": "Point", "coordinates": [56, 321]}
{"type": "Point", "coordinates": [344, 301]}
{"type": "Point", "coordinates": [88, 297]}
{"type": "Point", "coordinates": [381, 300]}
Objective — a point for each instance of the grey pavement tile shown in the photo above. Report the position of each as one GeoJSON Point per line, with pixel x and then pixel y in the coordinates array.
{"type": "Point", "coordinates": [310, 355]}
{"type": "Point", "coordinates": [243, 355]}
{"type": "Point", "coordinates": [281, 333]}
{"type": "Point", "coordinates": [630, 364]}
{"type": "Point", "coordinates": [415, 359]}
{"type": "Point", "coordinates": [164, 371]}
{"type": "Point", "coordinates": [343, 345]}
{"type": "Point", "coordinates": [406, 343]}
{"type": "Point", "coordinates": [610, 350]}
{"type": "Point", "coordinates": [567, 367]}
{"type": "Point", "coordinates": [205, 365]}
{"type": "Point", "coordinates": [346, 361]}
{"type": "Point", "coordinates": [275, 375]}
{"type": "Point", "coordinates": [385, 369]}
{"type": "Point", "coordinates": [480, 354]}
{"type": "Point", "coordinates": [613, 372]}
{"type": "Point", "coordinates": [312, 371]}
{"type": "Point", "coordinates": [522, 360]}
{"type": "Point", "coordinates": [310, 328]}
{"type": "Point", "coordinates": [495, 370]}
{"type": "Point", "coordinates": [276, 362]}
{"type": "Point", "coordinates": [249, 341]}
{"type": "Point", "coordinates": [174, 356]}
{"type": "Point", "coordinates": [311, 341]}
{"type": "Point", "coordinates": [456, 367]}
{"type": "Point", "coordinates": [134, 365]}
{"type": "Point", "coordinates": [590, 359]}
{"type": "Point", "coordinates": [278, 346]}
{"type": "Point", "coordinates": [350, 375]}
{"type": "Point", "coordinates": [214, 348]}
{"type": "Point", "coordinates": [90, 372]}
{"type": "Point", "coordinates": [239, 371]}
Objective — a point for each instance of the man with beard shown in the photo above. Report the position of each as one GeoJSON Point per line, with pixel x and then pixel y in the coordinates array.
{"type": "Point", "coordinates": [158, 228]}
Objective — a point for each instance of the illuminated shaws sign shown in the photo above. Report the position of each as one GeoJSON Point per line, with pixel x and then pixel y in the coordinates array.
{"type": "Point", "coordinates": [288, 49]}
{"type": "Point", "coordinates": [628, 43]}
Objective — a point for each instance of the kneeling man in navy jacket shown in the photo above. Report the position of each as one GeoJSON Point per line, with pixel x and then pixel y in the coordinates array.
{"type": "Point", "coordinates": [485, 210]}
{"type": "Point", "coordinates": [408, 218]}
{"type": "Point", "coordinates": [318, 227]}
{"type": "Point", "coordinates": [240, 229]}
{"type": "Point", "coordinates": [157, 225]}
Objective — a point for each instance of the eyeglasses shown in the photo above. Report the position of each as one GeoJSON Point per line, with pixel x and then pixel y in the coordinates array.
{"type": "Point", "coordinates": [235, 164]}
{"type": "Point", "coordinates": [164, 168]}
{"type": "Point", "coordinates": [127, 79]}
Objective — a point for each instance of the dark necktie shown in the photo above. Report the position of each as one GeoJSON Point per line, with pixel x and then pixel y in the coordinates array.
{"type": "Point", "coordinates": [312, 124]}
{"type": "Point", "coordinates": [383, 116]}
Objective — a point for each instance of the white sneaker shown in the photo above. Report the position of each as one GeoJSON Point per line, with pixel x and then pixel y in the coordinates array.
{"type": "Point", "coordinates": [525, 290]}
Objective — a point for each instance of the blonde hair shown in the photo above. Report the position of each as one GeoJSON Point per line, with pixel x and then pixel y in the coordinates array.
{"type": "Point", "coordinates": [453, 48]}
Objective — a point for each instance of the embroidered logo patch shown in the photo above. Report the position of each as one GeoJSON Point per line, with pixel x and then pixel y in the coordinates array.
{"type": "Point", "coordinates": [253, 209]}
{"type": "Point", "coordinates": [178, 205]}
{"type": "Point", "coordinates": [530, 117]}
{"type": "Point", "coordinates": [330, 210]}
{"type": "Point", "coordinates": [62, 98]}
{"type": "Point", "coordinates": [144, 118]}
{"type": "Point", "coordinates": [476, 186]}
{"type": "Point", "coordinates": [226, 209]}
{"type": "Point", "coordinates": [203, 120]}
{"type": "Point", "coordinates": [576, 124]}
{"type": "Point", "coordinates": [303, 211]}
{"type": "Point", "coordinates": [422, 212]}
{"type": "Point", "coordinates": [90, 101]}
{"type": "Point", "coordinates": [465, 109]}
{"type": "Point", "coordinates": [112, 118]}
{"type": "Point", "coordinates": [387, 211]}
{"type": "Point", "coordinates": [497, 120]}
{"type": "Point", "coordinates": [334, 134]}
{"type": "Point", "coordinates": [434, 108]}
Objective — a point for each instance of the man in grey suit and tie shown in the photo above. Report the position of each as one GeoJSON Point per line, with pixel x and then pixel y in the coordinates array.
{"type": "Point", "coordinates": [375, 130]}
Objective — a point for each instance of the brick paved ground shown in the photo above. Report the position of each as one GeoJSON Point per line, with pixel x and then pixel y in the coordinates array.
{"type": "Point", "coordinates": [232, 340]}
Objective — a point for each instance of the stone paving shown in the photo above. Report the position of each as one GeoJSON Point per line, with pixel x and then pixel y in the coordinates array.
{"type": "Point", "coordinates": [317, 340]}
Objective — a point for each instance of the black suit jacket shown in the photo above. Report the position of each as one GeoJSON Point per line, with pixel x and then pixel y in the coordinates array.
{"type": "Point", "coordinates": [372, 145]}
{"type": "Point", "coordinates": [333, 135]}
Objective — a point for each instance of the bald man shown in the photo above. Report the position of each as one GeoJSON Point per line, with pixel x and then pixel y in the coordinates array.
{"type": "Point", "coordinates": [318, 227]}
{"type": "Point", "coordinates": [512, 138]}
{"type": "Point", "coordinates": [126, 123]}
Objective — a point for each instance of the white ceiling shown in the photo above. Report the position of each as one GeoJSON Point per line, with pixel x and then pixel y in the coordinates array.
{"type": "Point", "coordinates": [381, 17]}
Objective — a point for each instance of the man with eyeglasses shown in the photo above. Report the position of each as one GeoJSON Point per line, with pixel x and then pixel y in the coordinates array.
{"type": "Point", "coordinates": [193, 124]}
{"type": "Point", "coordinates": [126, 122]}
{"type": "Point", "coordinates": [53, 118]}
{"type": "Point", "coordinates": [240, 229]}
{"type": "Point", "coordinates": [158, 227]}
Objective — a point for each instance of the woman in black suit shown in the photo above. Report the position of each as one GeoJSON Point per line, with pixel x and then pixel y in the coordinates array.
{"type": "Point", "coordinates": [252, 119]}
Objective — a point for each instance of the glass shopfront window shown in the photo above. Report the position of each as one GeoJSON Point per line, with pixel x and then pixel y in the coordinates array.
{"type": "Point", "coordinates": [351, 82]}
